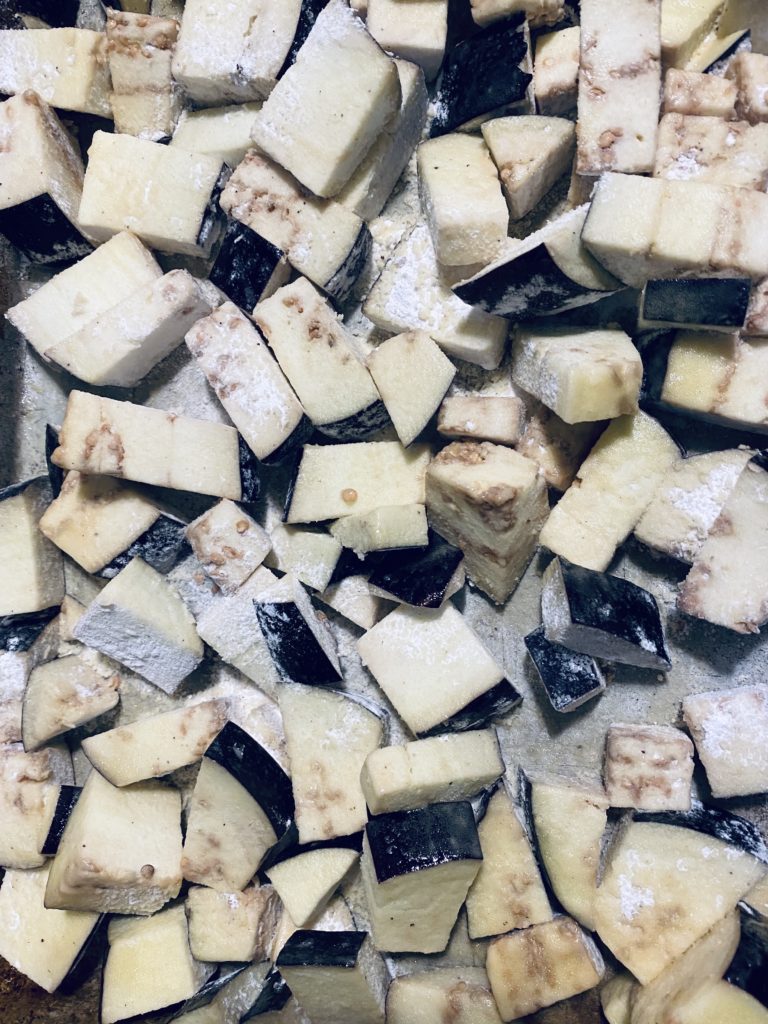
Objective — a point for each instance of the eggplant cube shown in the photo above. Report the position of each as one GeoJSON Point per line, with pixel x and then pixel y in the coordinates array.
{"type": "Point", "coordinates": [385, 529]}
{"type": "Point", "coordinates": [558, 448]}
{"type": "Point", "coordinates": [569, 679]}
{"type": "Point", "coordinates": [40, 943]}
{"type": "Point", "coordinates": [229, 544]}
{"type": "Point", "coordinates": [413, 651]}
{"type": "Point", "coordinates": [492, 503]}
{"type": "Point", "coordinates": [494, 418]}
{"type": "Point", "coordinates": [27, 810]}
{"type": "Point", "coordinates": [605, 616]}
{"type": "Point", "coordinates": [139, 620]}
{"type": "Point", "coordinates": [231, 926]}
{"type": "Point", "coordinates": [307, 881]}
{"type": "Point", "coordinates": [38, 212]}
{"type": "Point", "coordinates": [131, 864]}
{"type": "Point", "coordinates": [417, 868]}
{"type": "Point", "coordinates": [224, 132]}
{"type": "Point", "coordinates": [538, 12]}
{"type": "Point", "coordinates": [340, 68]}
{"type": "Point", "coordinates": [709, 149]}
{"type": "Point", "coordinates": [247, 267]}
{"type": "Point", "coordinates": [570, 964]}
{"type": "Point", "coordinates": [691, 92]}
{"type": "Point", "coordinates": [417, 32]}
{"type": "Point", "coordinates": [721, 1001]}
{"type": "Point", "coordinates": [556, 71]}
{"type": "Point", "coordinates": [431, 996]}
{"type": "Point", "coordinates": [580, 375]}
{"type": "Point", "coordinates": [648, 767]}
{"type": "Point", "coordinates": [412, 376]}
{"type": "Point", "coordinates": [750, 72]}
{"type": "Point", "coordinates": [727, 727]}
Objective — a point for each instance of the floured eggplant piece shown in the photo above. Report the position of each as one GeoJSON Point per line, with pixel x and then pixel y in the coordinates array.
{"type": "Point", "coordinates": [421, 577]}
{"type": "Point", "coordinates": [372, 183]}
{"type": "Point", "coordinates": [66, 693]}
{"type": "Point", "coordinates": [688, 502]}
{"type": "Point", "coordinates": [712, 821]}
{"type": "Point", "coordinates": [39, 212]}
{"type": "Point", "coordinates": [692, 92]}
{"type": "Point", "coordinates": [248, 383]}
{"type": "Point", "coordinates": [130, 867]}
{"type": "Point", "coordinates": [715, 54]}
{"type": "Point", "coordinates": [224, 132]}
{"type": "Point", "coordinates": [648, 767]}
{"type": "Point", "coordinates": [726, 584]}
{"type": "Point", "coordinates": [312, 123]}
{"type": "Point", "coordinates": [306, 881]}
{"type": "Point", "coordinates": [132, 985]}
{"type": "Point", "coordinates": [353, 599]}
{"type": "Point", "coordinates": [710, 149]}
{"type": "Point", "coordinates": [417, 868]}
{"type": "Point", "coordinates": [318, 356]}
{"type": "Point", "coordinates": [435, 770]}
{"type": "Point", "coordinates": [229, 544]}
{"type": "Point", "coordinates": [155, 745]}
{"type": "Point", "coordinates": [748, 74]}
{"type": "Point", "coordinates": [749, 969]}
{"type": "Point", "coordinates": [487, 73]}
{"type": "Point", "coordinates": [170, 200]}
{"type": "Point", "coordinates": [65, 804]}
{"type": "Point", "coordinates": [558, 448]}
{"type": "Point", "coordinates": [308, 15]}
{"type": "Point", "coordinates": [613, 487]}
{"type": "Point", "coordinates": [438, 992]}
{"type": "Point", "coordinates": [301, 645]}
{"type": "Point", "coordinates": [412, 651]}
{"type": "Point", "coordinates": [135, 442]}
{"type": "Point", "coordinates": [221, 996]}
{"type": "Point", "coordinates": [496, 418]}
{"type": "Point", "coordinates": [329, 735]}
{"type": "Point", "coordinates": [42, 944]}
{"type": "Point", "coordinates": [722, 1001]}
{"type": "Point", "coordinates": [556, 71]}
{"type": "Point", "coordinates": [547, 272]}
{"type": "Point", "coordinates": [569, 679]}
{"type": "Point", "coordinates": [231, 926]}
{"type": "Point", "coordinates": [605, 616]}
{"type": "Point", "coordinates": [139, 620]}
{"type": "Point", "coordinates": [538, 12]}
{"type": "Point", "coordinates": [31, 568]}
{"type": "Point", "coordinates": [247, 267]}
{"type": "Point", "coordinates": [250, 49]}
{"type": "Point", "coordinates": [243, 798]}
{"type": "Point", "coordinates": [311, 555]}
{"type": "Point", "coordinates": [490, 502]}
{"type": "Point", "coordinates": [322, 239]}
{"type": "Point", "coordinates": [615, 998]}
{"type": "Point", "coordinates": [270, 1000]}
{"type": "Point", "coordinates": [655, 869]}
{"type": "Point", "coordinates": [66, 67]}
{"type": "Point", "coordinates": [388, 528]}
{"type": "Point", "coordinates": [337, 917]}
{"type": "Point", "coordinates": [27, 810]}
{"type": "Point", "coordinates": [337, 977]}
{"type": "Point", "coordinates": [416, 33]}
{"type": "Point", "coordinates": [570, 964]}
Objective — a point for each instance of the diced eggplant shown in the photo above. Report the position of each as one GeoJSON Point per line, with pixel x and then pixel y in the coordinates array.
{"type": "Point", "coordinates": [388, 528]}
{"type": "Point", "coordinates": [558, 448]}
{"type": "Point", "coordinates": [710, 149]}
{"type": "Point", "coordinates": [691, 92]}
{"type": "Point", "coordinates": [139, 620]}
{"type": "Point", "coordinates": [556, 71]}
{"type": "Point", "coordinates": [120, 851]}
{"type": "Point", "coordinates": [353, 599]}
{"type": "Point", "coordinates": [720, 824]}
{"type": "Point", "coordinates": [410, 654]}
{"type": "Point", "coordinates": [417, 33]}
{"type": "Point", "coordinates": [496, 418]}
{"type": "Point", "coordinates": [548, 272]}
{"type": "Point", "coordinates": [431, 996]}
{"type": "Point", "coordinates": [748, 72]}
{"type": "Point", "coordinates": [605, 616]}
{"type": "Point", "coordinates": [328, 735]}
{"type": "Point", "coordinates": [484, 74]}
{"type": "Point", "coordinates": [273, 996]}
{"type": "Point", "coordinates": [311, 555]}
{"type": "Point", "coordinates": [231, 926]}
{"type": "Point", "coordinates": [417, 868]}
{"type": "Point", "coordinates": [306, 881]}
{"type": "Point", "coordinates": [648, 767]}
{"type": "Point", "coordinates": [722, 1001]}
{"type": "Point", "coordinates": [65, 804]}
{"type": "Point", "coordinates": [27, 808]}
{"type": "Point", "coordinates": [223, 132]}
{"type": "Point", "coordinates": [229, 544]}
{"type": "Point", "coordinates": [569, 678]}
{"type": "Point", "coordinates": [308, 14]}
{"type": "Point", "coordinates": [337, 977]}
{"type": "Point", "coordinates": [420, 577]}
{"type": "Point", "coordinates": [247, 267]}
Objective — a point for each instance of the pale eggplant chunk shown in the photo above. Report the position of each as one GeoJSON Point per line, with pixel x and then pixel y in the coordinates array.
{"type": "Point", "coordinates": [712, 304]}
{"type": "Point", "coordinates": [431, 996]}
{"type": "Point", "coordinates": [726, 726]}
{"type": "Point", "coordinates": [41, 944]}
{"type": "Point", "coordinates": [606, 500]}
{"type": "Point", "coordinates": [605, 616]}
{"type": "Point", "coordinates": [490, 502]}
{"type": "Point", "coordinates": [484, 74]}
{"type": "Point", "coordinates": [684, 27]}
{"type": "Point", "coordinates": [416, 33]}
{"type": "Point", "coordinates": [145, 99]}
{"type": "Point", "coordinates": [247, 267]}
{"type": "Point", "coordinates": [648, 767]}
{"type": "Point", "coordinates": [619, 87]}
{"type": "Point", "coordinates": [308, 15]}
{"type": "Point", "coordinates": [229, 544]}
{"type": "Point", "coordinates": [726, 582]}
{"type": "Point", "coordinates": [653, 869]}
{"type": "Point", "coordinates": [569, 679]}
{"type": "Point", "coordinates": [749, 72]}
{"type": "Point", "coordinates": [722, 1001]}
{"type": "Point", "coordinates": [169, 198]}
{"type": "Point", "coordinates": [319, 359]}
{"type": "Point", "coordinates": [273, 1000]}
{"type": "Point", "coordinates": [248, 382]}
{"type": "Point", "coordinates": [556, 71]}
{"type": "Point", "coordinates": [462, 199]}
{"type": "Point", "coordinates": [66, 67]}
{"type": "Point", "coordinates": [251, 46]}
{"type": "Point", "coordinates": [692, 92]}
{"type": "Point", "coordinates": [354, 599]}
{"type": "Point", "coordinates": [329, 735]}
{"type": "Point", "coordinates": [417, 868]}
{"type": "Point", "coordinates": [28, 801]}
{"type": "Point", "coordinates": [311, 555]}
{"type": "Point", "coordinates": [557, 448]}
{"type": "Point", "coordinates": [337, 977]}
{"type": "Point", "coordinates": [538, 12]}
{"type": "Point", "coordinates": [498, 419]}
{"type": "Point", "coordinates": [548, 272]}
{"type": "Point", "coordinates": [388, 528]}
{"type": "Point", "coordinates": [435, 770]}
{"type": "Point", "coordinates": [580, 375]}
{"type": "Point", "coordinates": [411, 651]}
{"type": "Point", "coordinates": [326, 111]}
{"type": "Point", "coordinates": [231, 926]}
{"type": "Point", "coordinates": [39, 212]}
{"type": "Point", "coordinates": [323, 240]}
{"type": "Point", "coordinates": [223, 132]}
{"type": "Point", "coordinates": [709, 149]}
{"type": "Point", "coordinates": [120, 852]}
{"type": "Point", "coordinates": [713, 821]}
{"type": "Point", "coordinates": [306, 881]}
{"type": "Point", "coordinates": [104, 437]}
{"type": "Point", "coordinates": [139, 620]}
{"type": "Point", "coordinates": [301, 645]}
{"type": "Point", "coordinates": [570, 961]}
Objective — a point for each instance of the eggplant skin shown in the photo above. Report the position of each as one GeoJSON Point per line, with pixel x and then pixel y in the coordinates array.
{"type": "Point", "coordinates": [406, 841]}
{"type": "Point", "coordinates": [41, 231]}
{"type": "Point", "coordinates": [321, 949]}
